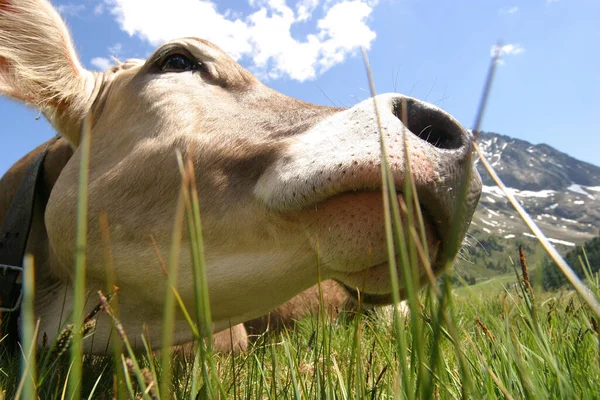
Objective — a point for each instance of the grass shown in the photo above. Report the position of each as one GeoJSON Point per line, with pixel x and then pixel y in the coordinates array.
{"type": "Point", "coordinates": [520, 343]}
{"type": "Point", "coordinates": [508, 349]}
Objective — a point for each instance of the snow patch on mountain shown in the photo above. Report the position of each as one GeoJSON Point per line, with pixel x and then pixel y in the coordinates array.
{"type": "Point", "coordinates": [579, 189]}
{"type": "Point", "coordinates": [555, 241]}
{"type": "Point", "coordinates": [496, 191]}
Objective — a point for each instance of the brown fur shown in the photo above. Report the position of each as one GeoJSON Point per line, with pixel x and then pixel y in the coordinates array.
{"type": "Point", "coordinates": [234, 339]}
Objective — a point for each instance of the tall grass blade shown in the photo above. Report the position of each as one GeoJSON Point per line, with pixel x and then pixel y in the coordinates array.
{"type": "Point", "coordinates": [387, 191]}
{"type": "Point", "coordinates": [128, 382]}
{"type": "Point", "coordinates": [66, 383]}
{"type": "Point", "coordinates": [292, 366]}
{"type": "Point", "coordinates": [29, 331]}
{"type": "Point", "coordinates": [487, 89]}
{"type": "Point", "coordinates": [93, 391]}
{"type": "Point", "coordinates": [202, 306]}
{"type": "Point", "coordinates": [111, 283]}
{"type": "Point", "coordinates": [74, 384]}
{"type": "Point", "coordinates": [453, 241]}
{"type": "Point", "coordinates": [413, 209]}
{"type": "Point", "coordinates": [130, 364]}
{"type": "Point", "coordinates": [263, 377]}
{"type": "Point", "coordinates": [169, 300]}
{"type": "Point", "coordinates": [491, 373]}
{"type": "Point", "coordinates": [340, 379]}
{"type": "Point", "coordinates": [178, 298]}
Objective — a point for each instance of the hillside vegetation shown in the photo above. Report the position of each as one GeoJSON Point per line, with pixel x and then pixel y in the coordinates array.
{"type": "Point", "coordinates": [585, 261]}
{"type": "Point", "coordinates": [510, 344]}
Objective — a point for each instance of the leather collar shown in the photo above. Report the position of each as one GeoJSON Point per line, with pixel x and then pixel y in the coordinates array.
{"type": "Point", "coordinates": [13, 242]}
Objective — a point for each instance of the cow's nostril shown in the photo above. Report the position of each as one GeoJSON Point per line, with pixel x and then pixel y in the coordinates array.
{"type": "Point", "coordinates": [438, 137]}
{"type": "Point", "coordinates": [430, 124]}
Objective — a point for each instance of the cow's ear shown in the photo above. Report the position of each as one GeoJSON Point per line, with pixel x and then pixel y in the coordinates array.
{"type": "Point", "coordinates": [39, 65]}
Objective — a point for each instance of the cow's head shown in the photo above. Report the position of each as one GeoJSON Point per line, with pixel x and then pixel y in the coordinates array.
{"type": "Point", "coordinates": [285, 187]}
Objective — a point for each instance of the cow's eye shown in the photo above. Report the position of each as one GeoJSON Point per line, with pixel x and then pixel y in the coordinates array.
{"type": "Point", "coordinates": [177, 63]}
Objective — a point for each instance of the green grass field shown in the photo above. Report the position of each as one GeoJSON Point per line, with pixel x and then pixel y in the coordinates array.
{"type": "Point", "coordinates": [506, 344]}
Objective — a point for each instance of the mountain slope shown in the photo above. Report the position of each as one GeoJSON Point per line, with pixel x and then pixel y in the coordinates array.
{"type": "Point", "coordinates": [560, 192]}
{"type": "Point", "coordinates": [524, 166]}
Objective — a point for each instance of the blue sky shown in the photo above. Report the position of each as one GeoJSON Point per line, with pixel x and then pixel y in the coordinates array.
{"type": "Point", "coordinates": [547, 89]}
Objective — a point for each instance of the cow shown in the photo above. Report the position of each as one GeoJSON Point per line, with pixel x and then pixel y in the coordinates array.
{"type": "Point", "coordinates": [289, 192]}
{"type": "Point", "coordinates": [235, 339]}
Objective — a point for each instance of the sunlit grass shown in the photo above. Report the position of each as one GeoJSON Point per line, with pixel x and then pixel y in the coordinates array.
{"type": "Point", "coordinates": [74, 383]}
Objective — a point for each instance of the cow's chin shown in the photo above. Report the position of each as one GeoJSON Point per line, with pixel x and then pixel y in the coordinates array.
{"type": "Point", "coordinates": [348, 233]}
{"type": "Point", "coordinates": [372, 286]}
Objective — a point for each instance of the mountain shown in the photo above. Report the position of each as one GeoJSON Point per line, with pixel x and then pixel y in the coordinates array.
{"type": "Point", "coordinates": [561, 193]}
{"type": "Point", "coordinates": [525, 166]}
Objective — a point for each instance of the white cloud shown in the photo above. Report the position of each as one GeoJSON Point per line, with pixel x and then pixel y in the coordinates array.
{"type": "Point", "coordinates": [510, 10]}
{"type": "Point", "coordinates": [264, 35]}
{"type": "Point", "coordinates": [551, 1]}
{"type": "Point", "coordinates": [115, 50]}
{"type": "Point", "coordinates": [101, 63]}
{"type": "Point", "coordinates": [506, 50]}
{"type": "Point", "coordinates": [72, 10]}
{"type": "Point", "coordinates": [99, 9]}
{"type": "Point", "coordinates": [305, 8]}
{"type": "Point", "coordinates": [345, 31]}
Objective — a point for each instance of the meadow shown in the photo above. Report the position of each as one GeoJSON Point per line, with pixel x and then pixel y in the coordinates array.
{"type": "Point", "coordinates": [515, 342]}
